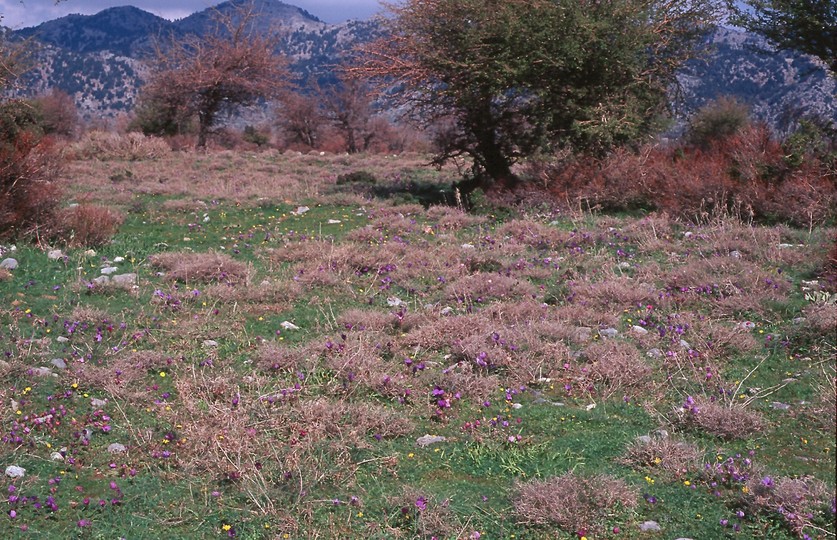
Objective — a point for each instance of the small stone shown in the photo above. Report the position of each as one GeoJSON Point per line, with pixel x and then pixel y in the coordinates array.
{"type": "Point", "coordinates": [747, 325]}
{"type": "Point", "coordinates": [210, 343]}
{"type": "Point", "coordinates": [609, 333]}
{"type": "Point", "coordinates": [685, 344]}
{"type": "Point", "coordinates": [654, 353]}
{"type": "Point", "coordinates": [639, 330]}
{"type": "Point", "coordinates": [116, 448]}
{"type": "Point", "coordinates": [101, 280]}
{"type": "Point", "coordinates": [118, 259]}
{"type": "Point", "coordinates": [287, 325]}
{"type": "Point", "coordinates": [735, 254]}
{"type": "Point", "coordinates": [125, 279]}
{"type": "Point", "coordinates": [56, 456]}
{"type": "Point", "coordinates": [97, 403]}
{"type": "Point", "coordinates": [647, 526]}
{"type": "Point", "coordinates": [427, 440]}
{"type": "Point", "coordinates": [446, 311]}
{"type": "Point", "coordinates": [780, 406]}
{"type": "Point", "coordinates": [301, 210]}
{"type": "Point", "coordinates": [86, 434]}
{"type": "Point", "coordinates": [333, 221]}
{"type": "Point", "coordinates": [590, 407]}
{"type": "Point", "coordinates": [42, 372]}
{"type": "Point", "coordinates": [785, 246]}
{"type": "Point", "coordinates": [62, 339]}
{"type": "Point", "coordinates": [15, 405]}
{"type": "Point", "coordinates": [394, 301]}
{"type": "Point", "coordinates": [13, 471]}
{"type": "Point", "coordinates": [516, 406]}
{"type": "Point", "coordinates": [90, 253]}
{"type": "Point", "coordinates": [644, 439]}
{"type": "Point", "coordinates": [799, 320]}
{"type": "Point", "coordinates": [59, 363]}
{"type": "Point", "coordinates": [688, 234]}
{"type": "Point", "coordinates": [55, 254]}
{"type": "Point", "coordinates": [8, 264]}
{"type": "Point", "coordinates": [624, 265]}
{"type": "Point", "coordinates": [108, 270]}
{"type": "Point", "coordinates": [467, 246]}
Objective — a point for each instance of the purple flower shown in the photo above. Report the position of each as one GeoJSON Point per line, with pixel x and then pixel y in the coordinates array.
{"type": "Point", "coordinates": [421, 504]}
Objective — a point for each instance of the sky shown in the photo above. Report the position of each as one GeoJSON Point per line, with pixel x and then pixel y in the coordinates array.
{"type": "Point", "coordinates": [23, 13]}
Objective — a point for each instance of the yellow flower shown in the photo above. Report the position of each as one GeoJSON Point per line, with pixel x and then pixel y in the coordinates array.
{"type": "Point", "coordinates": [226, 527]}
{"type": "Point", "coordinates": [745, 489]}
{"type": "Point", "coordinates": [163, 374]}
{"type": "Point", "coordinates": [649, 480]}
{"type": "Point", "coordinates": [410, 455]}
{"type": "Point", "coordinates": [360, 514]}
{"type": "Point", "coordinates": [687, 483]}
{"type": "Point", "coordinates": [657, 460]}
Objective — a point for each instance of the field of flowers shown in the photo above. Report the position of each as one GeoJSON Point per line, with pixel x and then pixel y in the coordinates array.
{"type": "Point", "coordinates": [272, 347]}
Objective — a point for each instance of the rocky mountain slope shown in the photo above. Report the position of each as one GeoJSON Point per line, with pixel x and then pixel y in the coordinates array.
{"type": "Point", "coordinates": [99, 60]}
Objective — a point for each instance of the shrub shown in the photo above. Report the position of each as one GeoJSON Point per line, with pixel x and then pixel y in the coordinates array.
{"type": "Point", "coordinates": [577, 504]}
{"type": "Point", "coordinates": [671, 457]}
{"type": "Point", "coordinates": [29, 195]}
{"type": "Point", "coordinates": [797, 500]}
{"type": "Point", "coordinates": [357, 177]}
{"type": "Point", "coordinates": [86, 225]}
{"type": "Point", "coordinates": [716, 121]}
{"type": "Point", "coordinates": [58, 112]}
{"type": "Point", "coordinates": [113, 146]}
{"type": "Point", "coordinates": [727, 421]}
{"type": "Point", "coordinates": [200, 267]}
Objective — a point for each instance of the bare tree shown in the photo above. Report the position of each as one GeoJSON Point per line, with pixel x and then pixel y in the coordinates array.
{"type": "Point", "coordinates": [235, 65]}
{"type": "Point", "coordinates": [300, 118]}
{"type": "Point", "coordinates": [348, 106]}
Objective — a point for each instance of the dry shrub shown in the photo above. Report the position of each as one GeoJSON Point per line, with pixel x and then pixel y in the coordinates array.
{"type": "Point", "coordinates": [86, 225]}
{"type": "Point", "coordinates": [105, 146]}
{"type": "Point", "coordinates": [725, 420]}
{"type": "Point", "coordinates": [123, 376]}
{"type": "Point", "coordinates": [533, 234]}
{"type": "Point", "coordinates": [200, 267]}
{"type": "Point", "coordinates": [667, 456]}
{"type": "Point", "coordinates": [448, 218]}
{"type": "Point", "coordinates": [616, 366]}
{"type": "Point", "coordinates": [265, 297]}
{"type": "Point", "coordinates": [615, 293]}
{"type": "Point", "coordinates": [418, 511]}
{"type": "Point", "coordinates": [366, 319]}
{"type": "Point", "coordinates": [88, 314]}
{"type": "Point", "coordinates": [797, 500]}
{"type": "Point", "coordinates": [575, 503]}
{"type": "Point", "coordinates": [481, 287]}
{"type": "Point", "coordinates": [350, 424]}
{"type": "Point", "coordinates": [5, 275]}
{"type": "Point", "coordinates": [272, 356]}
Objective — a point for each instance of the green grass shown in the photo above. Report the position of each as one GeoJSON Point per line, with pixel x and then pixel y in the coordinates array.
{"type": "Point", "coordinates": [219, 443]}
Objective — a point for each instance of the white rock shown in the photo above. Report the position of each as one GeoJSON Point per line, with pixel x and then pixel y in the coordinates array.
{"type": "Point", "coordinates": [685, 344]}
{"type": "Point", "coordinates": [101, 280]}
{"type": "Point", "coordinates": [427, 440]}
{"type": "Point", "coordinates": [688, 234]}
{"type": "Point", "coordinates": [118, 259]}
{"type": "Point", "coordinates": [43, 372]}
{"type": "Point", "coordinates": [609, 332]}
{"type": "Point", "coordinates": [301, 210]}
{"type": "Point", "coordinates": [639, 330]}
{"type": "Point", "coordinates": [116, 448]}
{"type": "Point", "coordinates": [747, 325]}
{"type": "Point", "coordinates": [654, 353]}
{"type": "Point", "coordinates": [8, 264]}
{"type": "Point", "coordinates": [55, 254]}
{"type": "Point", "coordinates": [90, 253]}
{"type": "Point", "coordinates": [13, 471]}
{"type": "Point", "coordinates": [59, 363]}
{"type": "Point", "coordinates": [210, 343]}
{"type": "Point", "coordinates": [468, 246]}
{"type": "Point", "coordinates": [334, 221]}
{"type": "Point", "coordinates": [735, 254]}
{"type": "Point", "coordinates": [516, 406]}
{"type": "Point", "coordinates": [97, 403]}
{"type": "Point", "coordinates": [394, 301]}
{"type": "Point", "coordinates": [108, 270]}
{"type": "Point", "coordinates": [125, 279]}
{"type": "Point", "coordinates": [287, 325]}
{"type": "Point", "coordinates": [62, 339]}
{"type": "Point", "coordinates": [446, 311]}
{"type": "Point", "coordinates": [56, 456]}
{"type": "Point", "coordinates": [646, 526]}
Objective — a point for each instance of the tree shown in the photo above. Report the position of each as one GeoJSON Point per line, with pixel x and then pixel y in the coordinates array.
{"type": "Point", "coordinates": [202, 77]}
{"type": "Point", "coordinates": [809, 26]}
{"type": "Point", "coordinates": [59, 113]}
{"type": "Point", "coordinates": [514, 77]}
{"type": "Point", "coordinates": [348, 106]}
{"type": "Point", "coordinates": [300, 119]}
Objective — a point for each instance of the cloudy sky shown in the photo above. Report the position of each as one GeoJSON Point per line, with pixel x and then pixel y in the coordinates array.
{"type": "Point", "coordinates": [22, 13]}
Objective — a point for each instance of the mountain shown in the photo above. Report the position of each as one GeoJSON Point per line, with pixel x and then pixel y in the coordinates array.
{"type": "Point", "coordinates": [777, 85]}
{"type": "Point", "coordinates": [99, 59]}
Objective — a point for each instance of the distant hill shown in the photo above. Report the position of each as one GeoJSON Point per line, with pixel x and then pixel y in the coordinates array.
{"type": "Point", "coordinates": [98, 59]}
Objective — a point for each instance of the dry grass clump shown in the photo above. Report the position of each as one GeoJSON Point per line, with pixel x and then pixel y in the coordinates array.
{"type": "Point", "coordinates": [481, 287]}
{"type": "Point", "coordinates": [263, 297]}
{"type": "Point", "coordinates": [448, 218]}
{"type": "Point", "coordinates": [615, 292]}
{"type": "Point", "coordinates": [725, 420]}
{"type": "Point", "coordinates": [575, 503]}
{"type": "Point", "coordinates": [5, 275]}
{"type": "Point", "coordinates": [183, 206]}
{"type": "Point", "coordinates": [86, 225]}
{"type": "Point", "coordinates": [533, 234]}
{"type": "Point", "coordinates": [123, 375]}
{"type": "Point", "coordinates": [90, 314]}
{"type": "Point", "coordinates": [422, 513]}
{"type": "Point", "coordinates": [351, 424]}
{"type": "Point", "coordinates": [272, 356]}
{"type": "Point", "coordinates": [616, 366]}
{"type": "Point", "coordinates": [796, 500]}
{"type": "Point", "coordinates": [200, 267]}
{"type": "Point", "coordinates": [670, 457]}
{"type": "Point", "coordinates": [106, 146]}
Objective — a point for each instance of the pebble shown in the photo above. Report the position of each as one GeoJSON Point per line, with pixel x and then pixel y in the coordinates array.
{"type": "Point", "coordinates": [446, 311]}
{"type": "Point", "coordinates": [62, 339]}
{"type": "Point", "coordinates": [609, 332]}
{"type": "Point", "coordinates": [13, 471]}
{"type": "Point", "coordinates": [101, 280]}
{"type": "Point", "coordinates": [467, 246]}
{"type": "Point", "coordinates": [427, 440]}
{"type": "Point", "coordinates": [108, 270]}
{"type": "Point", "coordinates": [118, 259]}
{"type": "Point", "coordinates": [59, 363]}
{"type": "Point", "coordinates": [55, 254]}
{"type": "Point", "coordinates": [56, 456]}
{"type": "Point", "coordinates": [644, 439]}
{"type": "Point", "coordinates": [778, 405]}
{"type": "Point", "coordinates": [654, 353]}
{"type": "Point", "coordinates": [394, 301]}
{"type": "Point", "coordinates": [685, 344]}
{"type": "Point", "coordinates": [97, 403]}
{"type": "Point", "coordinates": [116, 448]}
{"type": "Point", "coordinates": [8, 264]}
{"type": "Point", "coordinates": [43, 372]}
{"type": "Point", "coordinates": [301, 210]}
{"type": "Point", "coordinates": [735, 254]}
{"type": "Point", "coordinates": [210, 343]}
{"type": "Point", "coordinates": [333, 221]}
{"type": "Point", "coordinates": [287, 325]}
{"type": "Point", "coordinates": [124, 279]}
{"type": "Point", "coordinates": [747, 325]}
{"type": "Point", "coordinates": [647, 526]}
{"type": "Point", "coordinates": [639, 330]}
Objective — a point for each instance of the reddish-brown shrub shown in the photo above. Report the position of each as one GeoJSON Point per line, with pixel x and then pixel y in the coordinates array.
{"type": "Point", "coordinates": [200, 267]}
{"type": "Point", "coordinates": [724, 420]}
{"type": "Point", "coordinates": [795, 500]}
{"type": "Point", "coordinates": [671, 457]}
{"type": "Point", "coordinates": [87, 225]}
{"type": "Point", "coordinates": [573, 502]}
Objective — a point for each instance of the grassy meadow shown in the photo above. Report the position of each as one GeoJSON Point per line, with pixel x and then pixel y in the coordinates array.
{"type": "Point", "coordinates": [294, 352]}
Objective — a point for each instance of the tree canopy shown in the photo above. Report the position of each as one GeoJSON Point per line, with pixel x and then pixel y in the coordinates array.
{"type": "Point", "coordinates": [203, 76]}
{"type": "Point", "coordinates": [512, 77]}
